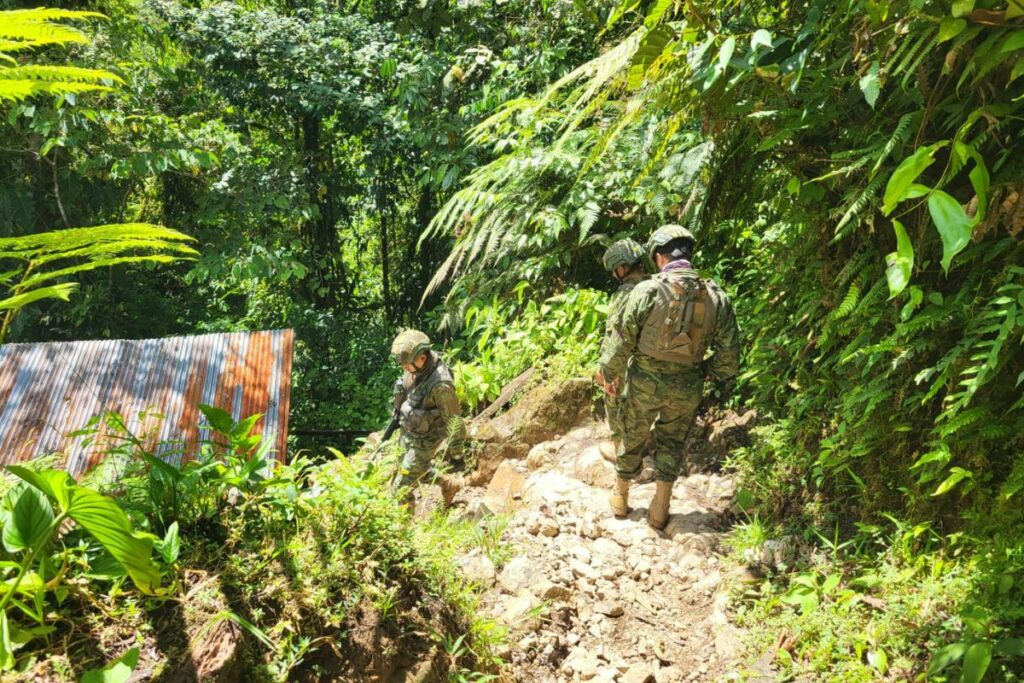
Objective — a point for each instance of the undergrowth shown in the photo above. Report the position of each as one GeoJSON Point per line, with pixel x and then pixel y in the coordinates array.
{"type": "Point", "coordinates": [288, 572]}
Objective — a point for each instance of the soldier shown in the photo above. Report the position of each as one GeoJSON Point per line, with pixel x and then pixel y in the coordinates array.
{"type": "Point", "coordinates": [428, 411]}
{"type": "Point", "coordinates": [668, 325]}
{"type": "Point", "coordinates": [625, 261]}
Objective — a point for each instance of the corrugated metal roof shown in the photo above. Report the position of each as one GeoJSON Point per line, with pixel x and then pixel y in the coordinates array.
{"type": "Point", "coordinates": [52, 389]}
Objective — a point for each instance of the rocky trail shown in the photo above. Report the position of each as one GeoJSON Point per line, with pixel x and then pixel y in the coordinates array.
{"type": "Point", "coordinates": [587, 597]}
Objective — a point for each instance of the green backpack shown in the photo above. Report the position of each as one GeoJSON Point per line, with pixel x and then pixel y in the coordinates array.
{"type": "Point", "coordinates": [684, 316]}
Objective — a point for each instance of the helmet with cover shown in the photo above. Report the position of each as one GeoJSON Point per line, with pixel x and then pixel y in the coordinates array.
{"type": "Point", "coordinates": [666, 234]}
{"type": "Point", "coordinates": [623, 253]}
{"type": "Point", "coordinates": [408, 346]}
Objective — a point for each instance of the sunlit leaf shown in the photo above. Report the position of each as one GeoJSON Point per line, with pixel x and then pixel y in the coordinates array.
{"type": "Point", "coordinates": [952, 223]}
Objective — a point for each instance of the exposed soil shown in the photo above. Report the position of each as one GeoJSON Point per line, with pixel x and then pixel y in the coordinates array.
{"type": "Point", "coordinates": [588, 597]}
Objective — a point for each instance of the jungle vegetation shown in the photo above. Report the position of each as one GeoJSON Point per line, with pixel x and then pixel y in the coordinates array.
{"type": "Point", "coordinates": [853, 171]}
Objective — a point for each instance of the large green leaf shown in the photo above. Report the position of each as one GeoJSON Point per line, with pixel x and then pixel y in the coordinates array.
{"type": "Point", "coordinates": [117, 671]}
{"type": "Point", "coordinates": [945, 656]}
{"type": "Point", "coordinates": [953, 224]}
{"type": "Point", "coordinates": [54, 483]}
{"type": "Point", "coordinates": [900, 263]}
{"type": "Point", "coordinates": [976, 661]}
{"type": "Point", "coordinates": [108, 524]}
{"type": "Point", "coordinates": [956, 475]}
{"type": "Point", "coordinates": [906, 173]}
{"type": "Point", "coordinates": [650, 49]}
{"type": "Point", "coordinates": [950, 28]}
{"type": "Point", "coordinates": [871, 84]}
{"type": "Point", "coordinates": [61, 291]}
{"type": "Point", "coordinates": [30, 519]}
{"type": "Point", "coordinates": [218, 418]}
{"type": "Point", "coordinates": [104, 520]}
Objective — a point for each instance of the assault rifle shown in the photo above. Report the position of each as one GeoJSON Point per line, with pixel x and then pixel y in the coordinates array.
{"type": "Point", "coordinates": [392, 426]}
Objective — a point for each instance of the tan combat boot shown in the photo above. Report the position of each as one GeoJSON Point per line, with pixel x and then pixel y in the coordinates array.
{"type": "Point", "coordinates": [619, 500]}
{"type": "Point", "coordinates": [608, 450]}
{"type": "Point", "coordinates": [657, 513]}
{"type": "Point", "coordinates": [450, 485]}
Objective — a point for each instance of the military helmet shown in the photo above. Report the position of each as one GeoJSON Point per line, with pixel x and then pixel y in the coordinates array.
{"type": "Point", "coordinates": [408, 346]}
{"type": "Point", "coordinates": [622, 253]}
{"type": "Point", "coordinates": [665, 234]}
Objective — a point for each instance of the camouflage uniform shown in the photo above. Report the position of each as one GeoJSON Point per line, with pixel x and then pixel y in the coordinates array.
{"type": "Point", "coordinates": [664, 392]}
{"type": "Point", "coordinates": [430, 419]}
{"type": "Point", "coordinates": [614, 321]}
{"type": "Point", "coordinates": [428, 410]}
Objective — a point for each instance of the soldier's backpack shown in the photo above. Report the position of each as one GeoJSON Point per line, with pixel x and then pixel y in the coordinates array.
{"type": "Point", "coordinates": [683, 318]}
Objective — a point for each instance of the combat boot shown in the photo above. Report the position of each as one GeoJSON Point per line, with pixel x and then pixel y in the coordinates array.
{"type": "Point", "coordinates": [608, 450]}
{"type": "Point", "coordinates": [619, 500]}
{"type": "Point", "coordinates": [450, 485]}
{"type": "Point", "coordinates": [657, 513]}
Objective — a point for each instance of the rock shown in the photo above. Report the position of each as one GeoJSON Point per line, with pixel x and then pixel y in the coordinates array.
{"type": "Point", "coordinates": [583, 662]}
{"type": "Point", "coordinates": [581, 553]}
{"type": "Point", "coordinates": [545, 412]}
{"type": "Point", "coordinates": [609, 609]}
{"type": "Point", "coordinates": [639, 673]}
{"type": "Point", "coordinates": [541, 455]}
{"type": "Point", "coordinates": [551, 487]}
{"type": "Point", "coordinates": [476, 510]}
{"type": "Point", "coordinates": [591, 468]}
{"type": "Point", "coordinates": [519, 613]}
{"type": "Point", "coordinates": [708, 583]}
{"type": "Point", "coordinates": [581, 569]}
{"type": "Point", "coordinates": [606, 547]}
{"type": "Point", "coordinates": [626, 532]}
{"type": "Point", "coordinates": [505, 489]}
{"type": "Point", "coordinates": [549, 528]}
{"type": "Point", "coordinates": [548, 590]}
{"type": "Point", "coordinates": [478, 569]}
{"type": "Point", "coordinates": [520, 573]}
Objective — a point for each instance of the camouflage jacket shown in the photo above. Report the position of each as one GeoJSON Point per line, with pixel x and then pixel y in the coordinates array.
{"type": "Point", "coordinates": [623, 342]}
{"type": "Point", "coordinates": [429, 408]}
{"type": "Point", "coordinates": [615, 307]}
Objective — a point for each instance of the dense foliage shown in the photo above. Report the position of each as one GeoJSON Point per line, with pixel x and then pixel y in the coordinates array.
{"type": "Point", "coordinates": [304, 146]}
{"type": "Point", "coordinates": [853, 172]}
{"type": "Point", "coordinates": [298, 557]}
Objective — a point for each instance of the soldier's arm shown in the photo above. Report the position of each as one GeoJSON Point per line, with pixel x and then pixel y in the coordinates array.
{"type": "Point", "coordinates": [725, 360]}
{"type": "Point", "coordinates": [622, 342]}
{"type": "Point", "coordinates": [446, 400]}
{"type": "Point", "coordinates": [613, 320]}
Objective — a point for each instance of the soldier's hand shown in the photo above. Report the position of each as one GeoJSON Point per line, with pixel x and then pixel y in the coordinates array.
{"type": "Point", "coordinates": [612, 388]}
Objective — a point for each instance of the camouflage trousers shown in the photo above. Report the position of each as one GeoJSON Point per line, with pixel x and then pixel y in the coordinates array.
{"type": "Point", "coordinates": [669, 403]}
{"type": "Point", "coordinates": [612, 408]}
{"type": "Point", "coordinates": [417, 465]}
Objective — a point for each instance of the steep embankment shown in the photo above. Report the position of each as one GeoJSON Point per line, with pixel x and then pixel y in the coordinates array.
{"type": "Point", "coordinates": [587, 596]}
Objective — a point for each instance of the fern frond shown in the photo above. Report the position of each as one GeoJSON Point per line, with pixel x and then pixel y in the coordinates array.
{"type": "Point", "coordinates": [865, 199]}
{"type": "Point", "coordinates": [898, 137]}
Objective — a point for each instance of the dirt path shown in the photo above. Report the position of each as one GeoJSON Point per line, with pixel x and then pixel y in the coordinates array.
{"type": "Point", "coordinates": [588, 597]}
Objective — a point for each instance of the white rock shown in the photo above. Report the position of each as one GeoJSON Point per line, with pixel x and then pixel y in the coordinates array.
{"type": "Point", "coordinates": [478, 569]}
{"type": "Point", "coordinates": [519, 613]}
{"type": "Point", "coordinates": [581, 569]}
{"type": "Point", "coordinates": [550, 488]}
{"type": "Point", "coordinates": [638, 673]}
{"type": "Point", "coordinates": [521, 572]}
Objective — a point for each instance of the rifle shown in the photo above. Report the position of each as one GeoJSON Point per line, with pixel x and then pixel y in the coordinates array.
{"type": "Point", "coordinates": [392, 426]}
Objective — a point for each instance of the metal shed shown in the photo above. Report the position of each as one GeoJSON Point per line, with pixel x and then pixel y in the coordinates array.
{"type": "Point", "coordinates": [49, 390]}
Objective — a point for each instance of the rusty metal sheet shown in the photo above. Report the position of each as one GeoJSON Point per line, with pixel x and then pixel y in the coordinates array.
{"type": "Point", "coordinates": [50, 390]}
